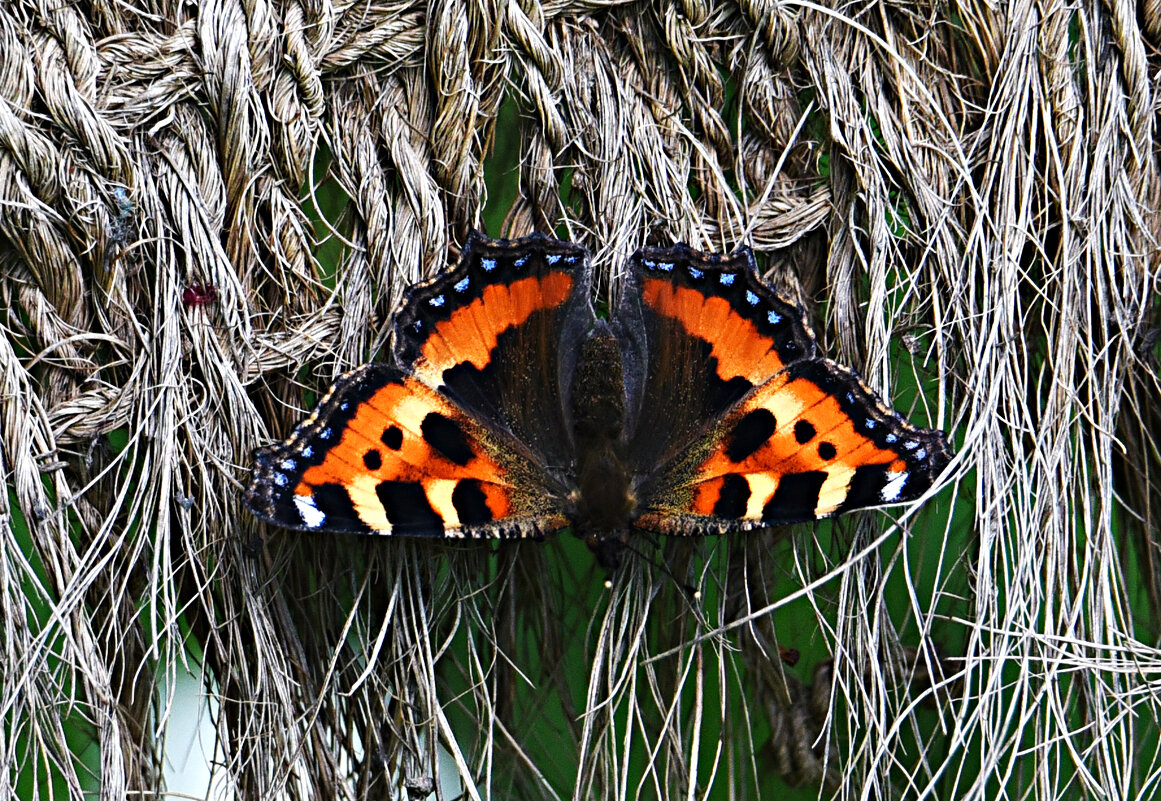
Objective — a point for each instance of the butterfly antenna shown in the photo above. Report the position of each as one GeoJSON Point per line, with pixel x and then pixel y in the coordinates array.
{"type": "Point", "coordinates": [692, 593]}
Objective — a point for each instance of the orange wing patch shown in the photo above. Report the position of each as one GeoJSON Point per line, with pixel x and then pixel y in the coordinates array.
{"type": "Point", "coordinates": [405, 441]}
{"type": "Point", "coordinates": [470, 333]}
{"type": "Point", "coordinates": [810, 443]}
{"type": "Point", "coordinates": [740, 349]}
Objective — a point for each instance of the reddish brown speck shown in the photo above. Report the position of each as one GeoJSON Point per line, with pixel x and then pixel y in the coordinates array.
{"type": "Point", "coordinates": [199, 295]}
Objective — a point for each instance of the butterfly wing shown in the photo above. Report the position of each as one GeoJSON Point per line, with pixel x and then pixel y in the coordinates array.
{"type": "Point", "coordinates": [812, 442]}
{"type": "Point", "coordinates": [698, 332]}
{"type": "Point", "coordinates": [792, 437]}
{"type": "Point", "coordinates": [498, 336]}
{"type": "Point", "coordinates": [465, 434]}
{"type": "Point", "coordinates": [383, 453]}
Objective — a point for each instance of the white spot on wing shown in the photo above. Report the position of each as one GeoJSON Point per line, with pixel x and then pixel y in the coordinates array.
{"type": "Point", "coordinates": [312, 516]}
{"type": "Point", "coordinates": [894, 486]}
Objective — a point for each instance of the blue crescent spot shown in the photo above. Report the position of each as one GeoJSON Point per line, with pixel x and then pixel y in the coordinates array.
{"type": "Point", "coordinates": [751, 298]}
{"type": "Point", "coordinates": [696, 274]}
{"type": "Point", "coordinates": [437, 301]}
{"type": "Point", "coordinates": [891, 438]}
{"type": "Point", "coordinates": [727, 279]}
{"type": "Point", "coordinates": [774, 318]}
{"type": "Point", "coordinates": [553, 258]}
{"type": "Point", "coordinates": [281, 480]}
{"type": "Point", "coordinates": [521, 260]}
{"type": "Point", "coordinates": [462, 284]}
{"type": "Point", "coordinates": [288, 464]}
{"type": "Point", "coordinates": [910, 444]}
{"type": "Point", "coordinates": [869, 424]}
{"type": "Point", "coordinates": [324, 434]}
{"type": "Point", "coordinates": [308, 451]}
{"type": "Point", "coordinates": [490, 264]}
{"type": "Point", "coordinates": [665, 266]}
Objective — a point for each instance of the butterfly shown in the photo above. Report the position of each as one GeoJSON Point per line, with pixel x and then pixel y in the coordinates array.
{"type": "Point", "coordinates": [509, 408]}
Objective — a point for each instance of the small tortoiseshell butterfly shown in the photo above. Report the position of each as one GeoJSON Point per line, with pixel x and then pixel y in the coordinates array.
{"type": "Point", "coordinates": [510, 409]}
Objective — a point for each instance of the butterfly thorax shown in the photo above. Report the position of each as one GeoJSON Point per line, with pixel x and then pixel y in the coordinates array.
{"type": "Point", "coordinates": [604, 501]}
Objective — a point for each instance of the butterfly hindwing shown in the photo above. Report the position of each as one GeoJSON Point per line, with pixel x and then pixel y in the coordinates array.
{"type": "Point", "coordinates": [810, 443]}
{"type": "Point", "coordinates": [699, 331]}
{"type": "Point", "coordinates": [498, 335]}
{"type": "Point", "coordinates": [384, 453]}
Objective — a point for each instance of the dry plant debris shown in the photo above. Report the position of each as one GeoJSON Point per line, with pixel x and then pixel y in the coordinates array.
{"type": "Point", "coordinates": [208, 210]}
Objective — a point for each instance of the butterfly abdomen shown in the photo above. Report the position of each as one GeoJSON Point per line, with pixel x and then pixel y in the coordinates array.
{"type": "Point", "coordinates": [603, 499]}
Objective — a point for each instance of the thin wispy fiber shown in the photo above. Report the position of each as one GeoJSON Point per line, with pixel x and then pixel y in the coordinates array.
{"type": "Point", "coordinates": [209, 210]}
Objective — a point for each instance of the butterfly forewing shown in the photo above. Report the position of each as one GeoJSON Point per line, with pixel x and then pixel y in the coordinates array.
{"type": "Point", "coordinates": [386, 454]}
{"type": "Point", "coordinates": [811, 442]}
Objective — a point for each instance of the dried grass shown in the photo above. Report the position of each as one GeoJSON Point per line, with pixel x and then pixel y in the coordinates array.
{"type": "Point", "coordinates": [965, 193]}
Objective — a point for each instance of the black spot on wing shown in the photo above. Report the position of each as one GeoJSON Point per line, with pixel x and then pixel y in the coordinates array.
{"type": "Point", "coordinates": [749, 434]}
{"type": "Point", "coordinates": [470, 502]}
{"type": "Point", "coordinates": [445, 436]}
{"type": "Point", "coordinates": [407, 509]}
{"type": "Point", "coordinates": [871, 417]}
{"type": "Point", "coordinates": [803, 432]}
{"type": "Point", "coordinates": [734, 495]}
{"type": "Point", "coordinates": [795, 499]}
{"type": "Point", "coordinates": [334, 502]}
{"type": "Point", "coordinates": [392, 437]}
{"type": "Point", "coordinates": [866, 485]}
{"type": "Point", "coordinates": [372, 459]}
{"type": "Point", "coordinates": [827, 451]}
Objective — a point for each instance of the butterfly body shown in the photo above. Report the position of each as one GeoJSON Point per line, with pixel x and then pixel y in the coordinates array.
{"type": "Point", "coordinates": [509, 409]}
